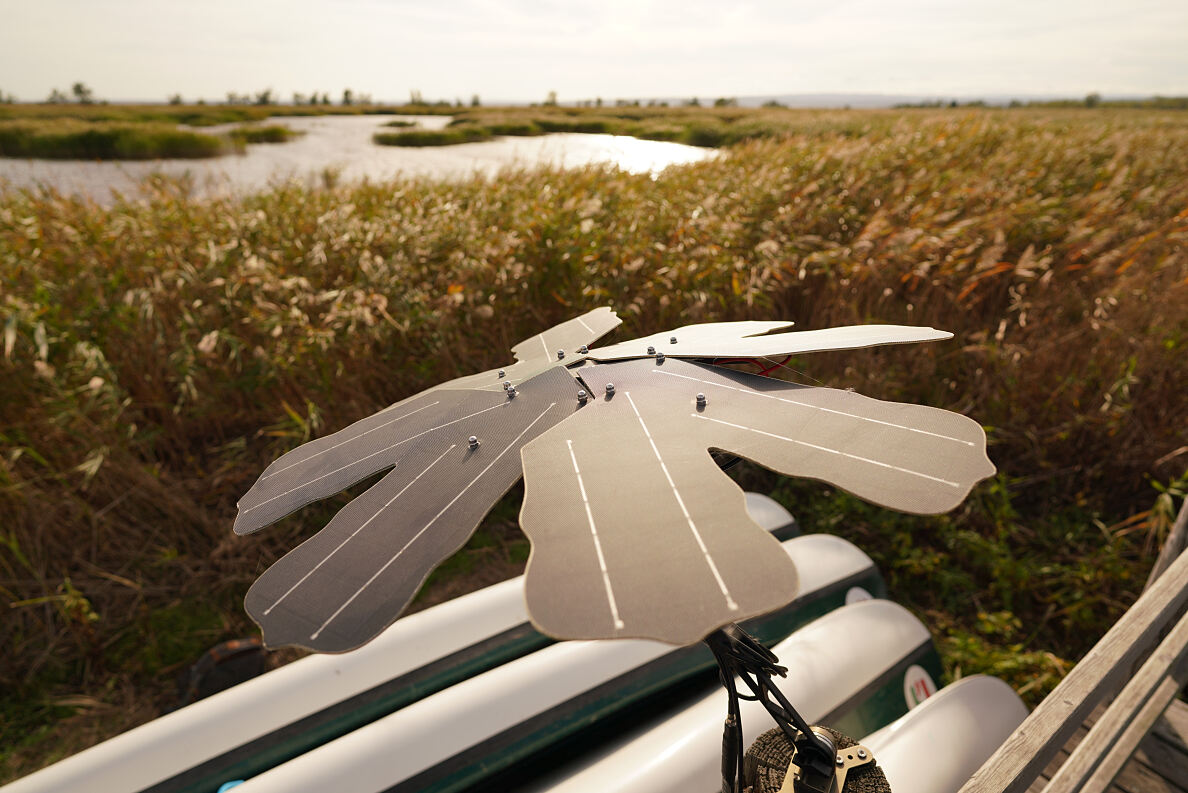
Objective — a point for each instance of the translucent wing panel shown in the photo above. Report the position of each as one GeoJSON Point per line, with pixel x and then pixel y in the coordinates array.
{"type": "Point", "coordinates": [568, 336]}
{"type": "Point", "coordinates": [636, 533]}
{"type": "Point", "coordinates": [538, 353]}
{"type": "Point", "coordinates": [639, 535]}
{"type": "Point", "coordinates": [351, 580]}
{"type": "Point", "coordinates": [742, 340]}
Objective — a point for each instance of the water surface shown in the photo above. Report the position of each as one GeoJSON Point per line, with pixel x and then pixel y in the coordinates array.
{"type": "Point", "coordinates": [342, 146]}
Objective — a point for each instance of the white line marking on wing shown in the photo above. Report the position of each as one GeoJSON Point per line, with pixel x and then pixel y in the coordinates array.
{"type": "Point", "coordinates": [545, 345]}
{"type": "Point", "coordinates": [692, 526]}
{"type": "Point", "coordinates": [368, 457]}
{"type": "Point", "coordinates": [425, 528]}
{"type": "Point", "coordinates": [610, 595]}
{"type": "Point", "coordinates": [816, 407]}
{"type": "Point", "coordinates": [356, 531]}
{"type": "Point", "coordinates": [347, 440]}
{"type": "Point", "coordinates": [584, 325]}
{"type": "Point", "coordinates": [831, 451]}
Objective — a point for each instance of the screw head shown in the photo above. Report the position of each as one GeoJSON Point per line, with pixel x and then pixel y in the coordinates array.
{"type": "Point", "coordinates": [651, 350]}
{"type": "Point", "coordinates": [701, 399]}
{"type": "Point", "coordinates": [840, 762]}
{"type": "Point", "coordinates": [560, 354]}
{"type": "Point", "coordinates": [506, 384]}
{"type": "Point", "coordinates": [502, 373]}
{"type": "Point", "coordinates": [861, 754]}
{"type": "Point", "coordinates": [582, 395]}
{"type": "Point", "coordinates": [672, 340]}
{"type": "Point", "coordinates": [610, 389]}
{"type": "Point", "coordinates": [583, 349]}
{"type": "Point", "coordinates": [511, 393]}
{"type": "Point", "coordinates": [473, 441]}
{"type": "Point", "coordinates": [659, 357]}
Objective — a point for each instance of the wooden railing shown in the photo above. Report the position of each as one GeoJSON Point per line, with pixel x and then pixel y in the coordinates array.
{"type": "Point", "coordinates": [1155, 628]}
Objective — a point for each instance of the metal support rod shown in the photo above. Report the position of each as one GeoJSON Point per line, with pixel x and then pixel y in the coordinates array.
{"type": "Point", "coordinates": [741, 655]}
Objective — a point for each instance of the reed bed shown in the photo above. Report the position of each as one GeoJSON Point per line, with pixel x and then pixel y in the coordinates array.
{"type": "Point", "coordinates": [158, 353]}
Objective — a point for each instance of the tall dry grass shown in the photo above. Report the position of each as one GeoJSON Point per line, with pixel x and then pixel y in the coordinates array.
{"type": "Point", "coordinates": [159, 352]}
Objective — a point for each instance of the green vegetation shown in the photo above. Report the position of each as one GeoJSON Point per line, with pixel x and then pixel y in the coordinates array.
{"type": "Point", "coordinates": [721, 125]}
{"type": "Point", "coordinates": [268, 133]}
{"type": "Point", "coordinates": [199, 115]}
{"type": "Point", "coordinates": [432, 137]}
{"type": "Point", "coordinates": [158, 353]}
{"type": "Point", "coordinates": [69, 139]}
{"type": "Point", "coordinates": [73, 140]}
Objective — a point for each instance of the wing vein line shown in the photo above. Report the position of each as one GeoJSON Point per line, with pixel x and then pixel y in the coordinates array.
{"type": "Point", "coordinates": [818, 407]}
{"type": "Point", "coordinates": [346, 441]}
{"type": "Point", "coordinates": [610, 594]}
{"type": "Point", "coordinates": [831, 451]}
{"type": "Point", "coordinates": [364, 525]}
{"type": "Point", "coordinates": [681, 502]}
{"type": "Point", "coordinates": [425, 528]}
{"type": "Point", "coordinates": [368, 457]}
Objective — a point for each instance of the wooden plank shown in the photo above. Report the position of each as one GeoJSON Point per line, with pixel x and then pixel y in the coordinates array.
{"type": "Point", "coordinates": [1173, 727]}
{"type": "Point", "coordinates": [1019, 761]}
{"type": "Point", "coordinates": [1173, 546]}
{"type": "Point", "coordinates": [1117, 733]}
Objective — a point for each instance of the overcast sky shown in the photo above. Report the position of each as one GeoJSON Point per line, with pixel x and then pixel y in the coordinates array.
{"type": "Point", "coordinates": [522, 49]}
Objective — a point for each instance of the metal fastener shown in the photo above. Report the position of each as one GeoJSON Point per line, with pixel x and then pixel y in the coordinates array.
{"type": "Point", "coordinates": [583, 349]}
{"type": "Point", "coordinates": [659, 357]}
{"type": "Point", "coordinates": [840, 761]}
{"type": "Point", "coordinates": [582, 395]}
{"type": "Point", "coordinates": [861, 754]}
{"type": "Point", "coordinates": [651, 350]}
{"type": "Point", "coordinates": [506, 384]}
{"type": "Point", "coordinates": [560, 354]}
{"type": "Point", "coordinates": [610, 389]}
{"type": "Point", "coordinates": [502, 373]}
{"type": "Point", "coordinates": [672, 340]}
{"type": "Point", "coordinates": [473, 441]}
{"type": "Point", "coordinates": [511, 393]}
{"type": "Point", "coordinates": [701, 400]}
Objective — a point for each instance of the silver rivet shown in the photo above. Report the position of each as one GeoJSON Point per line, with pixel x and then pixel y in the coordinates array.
{"type": "Point", "coordinates": [610, 389]}
{"type": "Point", "coordinates": [659, 357]}
{"type": "Point", "coordinates": [473, 441]}
{"type": "Point", "coordinates": [502, 373]}
{"type": "Point", "coordinates": [701, 399]}
{"type": "Point", "coordinates": [840, 761]}
{"type": "Point", "coordinates": [861, 754]}
{"type": "Point", "coordinates": [506, 384]}
{"type": "Point", "coordinates": [672, 340]}
{"type": "Point", "coordinates": [511, 393]}
{"type": "Point", "coordinates": [651, 350]}
{"type": "Point", "coordinates": [583, 349]}
{"type": "Point", "coordinates": [560, 354]}
{"type": "Point", "coordinates": [582, 395]}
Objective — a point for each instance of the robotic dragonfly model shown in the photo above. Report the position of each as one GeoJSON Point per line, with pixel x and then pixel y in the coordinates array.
{"type": "Point", "coordinates": [635, 530]}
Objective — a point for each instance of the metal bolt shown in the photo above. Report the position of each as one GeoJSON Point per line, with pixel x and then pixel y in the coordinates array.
{"type": "Point", "coordinates": [840, 761]}
{"type": "Point", "coordinates": [672, 340]}
{"type": "Point", "coordinates": [610, 389]}
{"type": "Point", "coordinates": [582, 395]}
{"type": "Point", "coordinates": [506, 384]}
{"type": "Point", "coordinates": [473, 441]}
{"type": "Point", "coordinates": [651, 350]}
{"type": "Point", "coordinates": [511, 393]}
{"type": "Point", "coordinates": [659, 357]}
{"type": "Point", "coordinates": [861, 754]}
{"type": "Point", "coordinates": [583, 349]}
{"type": "Point", "coordinates": [560, 354]}
{"type": "Point", "coordinates": [701, 400]}
{"type": "Point", "coordinates": [502, 373]}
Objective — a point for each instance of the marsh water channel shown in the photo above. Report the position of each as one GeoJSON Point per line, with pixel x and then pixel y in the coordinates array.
{"type": "Point", "coordinates": [341, 148]}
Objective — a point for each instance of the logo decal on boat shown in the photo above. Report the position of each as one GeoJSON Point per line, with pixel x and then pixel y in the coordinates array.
{"type": "Point", "coordinates": [917, 686]}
